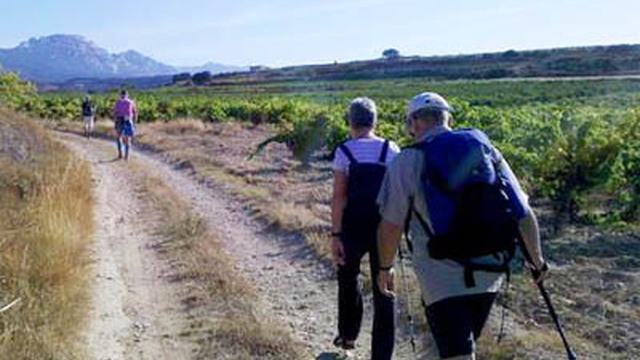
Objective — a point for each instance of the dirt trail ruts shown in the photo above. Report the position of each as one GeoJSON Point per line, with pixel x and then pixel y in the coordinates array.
{"type": "Point", "coordinates": [134, 314]}
{"type": "Point", "coordinates": [296, 286]}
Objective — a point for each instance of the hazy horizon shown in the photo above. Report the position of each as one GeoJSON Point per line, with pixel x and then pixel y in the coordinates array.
{"type": "Point", "coordinates": [281, 33]}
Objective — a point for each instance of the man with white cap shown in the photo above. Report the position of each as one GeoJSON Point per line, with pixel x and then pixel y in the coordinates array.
{"type": "Point", "coordinates": [457, 298]}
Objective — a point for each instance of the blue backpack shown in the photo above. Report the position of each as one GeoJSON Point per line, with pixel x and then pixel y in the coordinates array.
{"type": "Point", "coordinates": [470, 214]}
{"type": "Point", "coordinates": [87, 108]}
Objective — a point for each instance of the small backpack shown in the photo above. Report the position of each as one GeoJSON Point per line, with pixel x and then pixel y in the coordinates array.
{"type": "Point", "coordinates": [365, 180]}
{"type": "Point", "coordinates": [470, 214]}
{"type": "Point", "coordinates": [87, 108]}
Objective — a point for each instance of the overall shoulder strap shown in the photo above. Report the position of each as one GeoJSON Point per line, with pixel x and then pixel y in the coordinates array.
{"type": "Point", "coordinates": [348, 153]}
{"type": "Point", "coordinates": [383, 153]}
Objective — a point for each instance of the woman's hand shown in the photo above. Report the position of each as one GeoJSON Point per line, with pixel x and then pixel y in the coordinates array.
{"type": "Point", "coordinates": [337, 250]}
{"type": "Point", "coordinates": [386, 282]}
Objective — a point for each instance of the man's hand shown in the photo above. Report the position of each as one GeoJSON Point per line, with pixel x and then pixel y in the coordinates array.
{"type": "Point", "coordinates": [337, 250]}
{"type": "Point", "coordinates": [386, 282]}
{"type": "Point", "coordinates": [539, 271]}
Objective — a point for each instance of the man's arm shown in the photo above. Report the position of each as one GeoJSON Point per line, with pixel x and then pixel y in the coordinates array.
{"type": "Point", "coordinates": [135, 113]}
{"type": "Point", "coordinates": [396, 190]}
{"type": "Point", "coordinates": [113, 111]}
{"type": "Point", "coordinates": [531, 238]}
{"type": "Point", "coordinates": [389, 236]}
{"type": "Point", "coordinates": [528, 224]}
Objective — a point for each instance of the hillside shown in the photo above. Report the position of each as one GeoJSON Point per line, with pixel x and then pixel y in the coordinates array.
{"type": "Point", "coordinates": [561, 62]}
{"type": "Point", "coordinates": [106, 84]}
{"type": "Point", "coordinates": [59, 58]}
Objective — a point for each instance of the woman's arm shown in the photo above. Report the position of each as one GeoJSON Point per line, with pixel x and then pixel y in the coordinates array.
{"type": "Point", "coordinates": [338, 203]}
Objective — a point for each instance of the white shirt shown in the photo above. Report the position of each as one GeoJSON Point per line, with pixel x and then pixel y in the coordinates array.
{"type": "Point", "coordinates": [364, 150]}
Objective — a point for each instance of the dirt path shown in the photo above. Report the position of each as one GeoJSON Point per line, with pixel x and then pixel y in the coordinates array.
{"type": "Point", "coordinates": [134, 310]}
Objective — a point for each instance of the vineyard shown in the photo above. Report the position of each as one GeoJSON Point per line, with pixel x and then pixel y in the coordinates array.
{"type": "Point", "coordinates": [574, 142]}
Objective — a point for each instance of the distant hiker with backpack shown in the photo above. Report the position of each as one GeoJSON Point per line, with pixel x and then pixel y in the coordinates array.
{"type": "Point", "coordinates": [358, 170]}
{"type": "Point", "coordinates": [125, 114]}
{"type": "Point", "coordinates": [88, 115]}
{"type": "Point", "coordinates": [463, 208]}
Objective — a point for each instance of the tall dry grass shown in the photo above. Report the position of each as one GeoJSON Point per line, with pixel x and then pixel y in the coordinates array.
{"type": "Point", "coordinates": [46, 223]}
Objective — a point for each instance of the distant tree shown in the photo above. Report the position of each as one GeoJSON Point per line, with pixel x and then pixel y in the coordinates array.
{"type": "Point", "coordinates": [391, 54]}
{"type": "Point", "coordinates": [181, 77]}
{"type": "Point", "coordinates": [509, 54]}
{"type": "Point", "coordinates": [201, 78]}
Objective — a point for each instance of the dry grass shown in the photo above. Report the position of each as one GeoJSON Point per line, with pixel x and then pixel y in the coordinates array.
{"type": "Point", "coordinates": [46, 222]}
{"type": "Point", "coordinates": [182, 126]}
{"type": "Point", "coordinates": [227, 320]}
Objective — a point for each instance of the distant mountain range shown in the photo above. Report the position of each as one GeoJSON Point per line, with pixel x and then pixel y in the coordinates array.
{"type": "Point", "coordinates": [59, 58]}
{"type": "Point", "coordinates": [71, 62]}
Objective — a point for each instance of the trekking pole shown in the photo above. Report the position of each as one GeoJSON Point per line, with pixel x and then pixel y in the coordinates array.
{"type": "Point", "coordinates": [10, 305]}
{"type": "Point", "coordinates": [405, 289]}
{"type": "Point", "coordinates": [547, 299]}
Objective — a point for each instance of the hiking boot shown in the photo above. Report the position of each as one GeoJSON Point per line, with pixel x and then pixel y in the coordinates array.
{"type": "Point", "coordinates": [344, 344]}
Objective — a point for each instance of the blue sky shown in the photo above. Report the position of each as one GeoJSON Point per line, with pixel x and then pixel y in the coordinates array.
{"type": "Point", "coordinates": [286, 32]}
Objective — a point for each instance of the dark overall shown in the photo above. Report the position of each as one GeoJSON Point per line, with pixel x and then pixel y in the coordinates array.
{"type": "Point", "coordinates": [359, 229]}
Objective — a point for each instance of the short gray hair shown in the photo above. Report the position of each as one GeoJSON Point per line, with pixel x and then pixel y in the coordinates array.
{"type": "Point", "coordinates": [439, 116]}
{"type": "Point", "coordinates": [362, 112]}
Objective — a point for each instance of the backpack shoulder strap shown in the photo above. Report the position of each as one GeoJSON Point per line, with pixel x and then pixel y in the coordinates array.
{"type": "Point", "coordinates": [348, 153]}
{"type": "Point", "coordinates": [412, 211]}
{"type": "Point", "coordinates": [407, 225]}
{"type": "Point", "coordinates": [383, 153]}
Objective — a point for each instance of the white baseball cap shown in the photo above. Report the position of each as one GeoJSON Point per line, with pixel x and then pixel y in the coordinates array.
{"type": "Point", "coordinates": [427, 100]}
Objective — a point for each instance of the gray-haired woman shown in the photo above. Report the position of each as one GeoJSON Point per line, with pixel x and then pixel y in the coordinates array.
{"type": "Point", "coordinates": [358, 170]}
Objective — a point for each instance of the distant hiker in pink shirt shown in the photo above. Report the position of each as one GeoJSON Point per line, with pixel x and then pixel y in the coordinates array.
{"type": "Point", "coordinates": [125, 114]}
